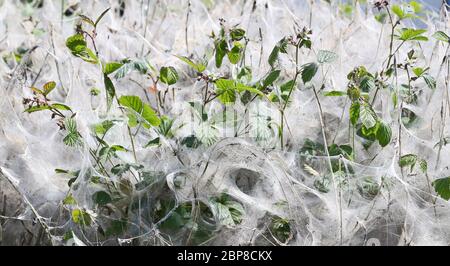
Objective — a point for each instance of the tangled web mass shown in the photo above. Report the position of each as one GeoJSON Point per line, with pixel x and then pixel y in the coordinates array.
{"type": "Point", "coordinates": [229, 170]}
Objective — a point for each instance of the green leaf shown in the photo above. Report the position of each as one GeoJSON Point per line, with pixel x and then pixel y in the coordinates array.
{"type": "Point", "coordinates": [281, 229]}
{"type": "Point", "coordinates": [286, 89]}
{"type": "Point", "coordinates": [119, 169]}
{"type": "Point", "coordinates": [103, 127]}
{"type": "Point", "coordinates": [409, 34]}
{"type": "Point", "coordinates": [69, 200]}
{"type": "Point", "coordinates": [81, 217]}
{"type": "Point", "coordinates": [101, 16]}
{"type": "Point", "coordinates": [76, 44]}
{"type": "Point", "coordinates": [48, 87]}
{"type": "Point", "coordinates": [273, 57]}
{"type": "Point", "coordinates": [441, 36]}
{"type": "Point", "coordinates": [280, 47]}
{"type": "Point", "coordinates": [118, 148]}
{"type": "Point", "coordinates": [191, 142]}
{"type": "Point", "coordinates": [423, 166]}
{"type": "Point", "coordinates": [368, 117]}
{"type": "Point", "coordinates": [344, 150]}
{"type": "Point", "coordinates": [95, 91]}
{"type": "Point", "coordinates": [60, 106]}
{"type": "Point", "coordinates": [199, 67]}
{"type": "Point", "coordinates": [165, 128]}
{"type": "Point", "coordinates": [408, 160]}
{"type": "Point", "coordinates": [237, 34]}
{"type": "Point", "coordinates": [71, 140]}
{"type": "Point", "coordinates": [168, 75]}
{"type": "Point", "coordinates": [416, 7]}
{"type": "Point", "coordinates": [442, 187]}
{"type": "Point", "coordinates": [135, 104]}
{"type": "Point", "coordinates": [221, 51]}
{"type": "Point", "coordinates": [394, 98]}
{"type": "Point", "coordinates": [384, 134]}
{"type": "Point", "coordinates": [105, 153]}
{"type": "Point", "coordinates": [324, 56]}
{"type": "Point", "coordinates": [78, 47]}
{"type": "Point", "coordinates": [128, 66]}
{"type": "Point", "coordinates": [418, 71]}
{"type": "Point", "coordinates": [227, 212]}
{"type": "Point", "coordinates": [61, 171]}
{"type": "Point", "coordinates": [271, 78]}
{"type": "Point", "coordinates": [37, 108]}
{"type": "Point", "coordinates": [335, 93]}
{"type": "Point", "coordinates": [101, 198]}
{"type": "Point", "coordinates": [398, 11]}
{"type": "Point", "coordinates": [71, 181]}
{"type": "Point", "coordinates": [381, 17]}
{"type": "Point", "coordinates": [117, 227]}
{"type": "Point", "coordinates": [368, 135]}
{"type": "Point", "coordinates": [36, 90]}
{"type": "Point", "coordinates": [140, 65]}
{"type": "Point", "coordinates": [288, 86]}
{"type": "Point", "coordinates": [308, 71]}
{"type": "Point", "coordinates": [153, 142]}
{"type": "Point", "coordinates": [429, 80]}
{"type": "Point", "coordinates": [110, 67]}
{"type": "Point", "coordinates": [89, 56]}
{"type": "Point", "coordinates": [110, 91]}
{"type": "Point", "coordinates": [87, 19]}
{"type": "Point", "coordinates": [234, 55]}
{"type": "Point", "coordinates": [283, 44]}
{"type": "Point", "coordinates": [367, 84]}
{"type": "Point", "coordinates": [226, 90]}
{"type": "Point", "coordinates": [73, 137]}
{"type": "Point", "coordinates": [245, 75]}
{"type": "Point", "coordinates": [242, 88]}
{"type": "Point", "coordinates": [354, 112]}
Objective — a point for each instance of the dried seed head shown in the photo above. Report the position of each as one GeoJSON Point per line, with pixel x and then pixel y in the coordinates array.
{"type": "Point", "coordinates": [379, 4]}
{"type": "Point", "coordinates": [25, 101]}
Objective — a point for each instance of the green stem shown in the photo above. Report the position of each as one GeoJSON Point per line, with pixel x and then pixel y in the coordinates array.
{"type": "Point", "coordinates": [297, 72]}
{"type": "Point", "coordinates": [391, 44]}
{"type": "Point", "coordinates": [325, 143]}
{"type": "Point", "coordinates": [391, 47]}
{"type": "Point", "coordinates": [281, 128]}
